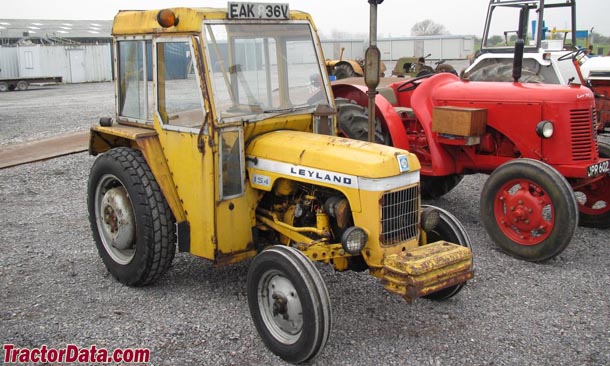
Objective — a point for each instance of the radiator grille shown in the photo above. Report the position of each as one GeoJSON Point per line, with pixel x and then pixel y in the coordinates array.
{"type": "Point", "coordinates": [399, 215]}
{"type": "Point", "coordinates": [583, 146]}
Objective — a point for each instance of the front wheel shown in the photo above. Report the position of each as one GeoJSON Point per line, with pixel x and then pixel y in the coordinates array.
{"type": "Point", "coordinates": [289, 303]}
{"type": "Point", "coordinates": [449, 229]}
{"type": "Point", "coordinates": [594, 198]}
{"type": "Point", "coordinates": [132, 224]}
{"type": "Point", "coordinates": [529, 210]}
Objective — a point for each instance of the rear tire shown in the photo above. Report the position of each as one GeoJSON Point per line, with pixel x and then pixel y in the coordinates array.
{"type": "Point", "coordinates": [449, 229]}
{"type": "Point", "coordinates": [22, 85]}
{"type": "Point", "coordinates": [594, 199]}
{"type": "Point", "coordinates": [3, 86]}
{"type": "Point", "coordinates": [344, 70]}
{"type": "Point", "coordinates": [436, 187]}
{"type": "Point", "coordinates": [289, 303]}
{"type": "Point", "coordinates": [132, 224]}
{"type": "Point", "coordinates": [353, 122]}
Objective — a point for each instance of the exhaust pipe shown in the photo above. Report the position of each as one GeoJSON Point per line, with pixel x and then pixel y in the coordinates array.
{"type": "Point", "coordinates": [519, 46]}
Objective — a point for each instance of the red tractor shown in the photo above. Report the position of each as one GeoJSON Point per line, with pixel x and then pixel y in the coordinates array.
{"type": "Point", "coordinates": [536, 141]}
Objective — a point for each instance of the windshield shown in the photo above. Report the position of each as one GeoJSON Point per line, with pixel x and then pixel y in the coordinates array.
{"type": "Point", "coordinates": [258, 69]}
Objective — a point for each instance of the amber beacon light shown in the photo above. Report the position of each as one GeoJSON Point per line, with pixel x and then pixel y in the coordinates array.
{"type": "Point", "coordinates": [167, 18]}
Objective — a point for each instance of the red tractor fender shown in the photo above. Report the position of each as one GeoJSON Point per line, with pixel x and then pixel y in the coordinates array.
{"type": "Point", "coordinates": [383, 110]}
{"type": "Point", "coordinates": [422, 101]}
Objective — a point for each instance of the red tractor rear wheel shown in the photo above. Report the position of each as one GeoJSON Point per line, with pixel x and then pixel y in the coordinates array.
{"type": "Point", "coordinates": [594, 199]}
{"type": "Point", "coordinates": [529, 210]}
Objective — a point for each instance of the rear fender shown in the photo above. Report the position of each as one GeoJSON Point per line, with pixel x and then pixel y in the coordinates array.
{"type": "Point", "coordinates": [383, 110]}
{"type": "Point", "coordinates": [422, 102]}
{"type": "Point", "coordinates": [145, 140]}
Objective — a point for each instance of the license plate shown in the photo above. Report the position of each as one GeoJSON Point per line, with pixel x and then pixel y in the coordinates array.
{"type": "Point", "coordinates": [598, 169]}
{"type": "Point", "coordinates": [238, 10]}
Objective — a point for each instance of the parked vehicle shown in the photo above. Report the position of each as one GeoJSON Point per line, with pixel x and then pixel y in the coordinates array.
{"type": "Point", "coordinates": [416, 66]}
{"type": "Point", "coordinates": [23, 83]}
{"type": "Point", "coordinates": [236, 157]}
{"type": "Point", "coordinates": [536, 141]}
{"type": "Point", "coordinates": [546, 57]}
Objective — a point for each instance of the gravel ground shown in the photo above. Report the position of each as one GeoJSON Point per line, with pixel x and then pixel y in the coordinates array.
{"type": "Point", "coordinates": [56, 291]}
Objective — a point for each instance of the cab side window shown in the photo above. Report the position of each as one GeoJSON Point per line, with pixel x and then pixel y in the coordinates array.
{"type": "Point", "coordinates": [134, 80]}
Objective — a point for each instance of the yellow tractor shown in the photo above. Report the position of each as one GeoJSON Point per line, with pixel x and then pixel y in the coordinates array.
{"type": "Point", "coordinates": [341, 69]}
{"type": "Point", "coordinates": [223, 147]}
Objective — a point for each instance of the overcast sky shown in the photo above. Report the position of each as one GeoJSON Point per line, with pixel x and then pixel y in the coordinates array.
{"type": "Point", "coordinates": [395, 17]}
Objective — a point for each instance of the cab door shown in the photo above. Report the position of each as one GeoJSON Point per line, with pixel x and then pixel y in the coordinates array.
{"type": "Point", "coordinates": [180, 118]}
{"type": "Point", "coordinates": [206, 162]}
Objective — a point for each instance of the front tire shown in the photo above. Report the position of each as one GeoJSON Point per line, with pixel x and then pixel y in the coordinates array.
{"type": "Point", "coordinates": [449, 229]}
{"type": "Point", "coordinates": [594, 199]}
{"type": "Point", "coordinates": [289, 303]}
{"type": "Point", "coordinates": [132, 224]}
{"type": "Point", "coordinates": [529, 210]}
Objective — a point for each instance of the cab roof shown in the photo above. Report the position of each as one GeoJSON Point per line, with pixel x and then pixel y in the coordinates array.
{"type": "Point", "coordinates": [128, 22]}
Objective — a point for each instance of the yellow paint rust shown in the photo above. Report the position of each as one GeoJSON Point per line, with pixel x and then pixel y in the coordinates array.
{"type": "Point", "coordinates": [421, 271]}
{"type": "Point", "coordinates": [136, 22]}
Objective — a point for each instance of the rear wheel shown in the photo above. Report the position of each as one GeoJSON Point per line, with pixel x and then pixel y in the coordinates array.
{"type": "Point", "coordinates": [289, 303]}
{"type": "Point", "coordinates": [449, 229]}
{"type": "Point", "coordinates": [3, 86]}
{"type": "Point", "coordinates": [132, 224]}
{"type": "Point", "coordinates": [344, 70]}
{"type": "Point", "coordinates": [353, 122]}
{"type": "Point", "coordinates": [22, 85]}
{"type": "Point", "coordinates": [594, 198]}
{"type": "Point", "coordinates": [529, 210]}
{"type": "Point", "coordinates": [435, 187]}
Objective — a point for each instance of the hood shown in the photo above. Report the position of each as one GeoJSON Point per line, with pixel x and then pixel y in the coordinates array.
{"type": "Point", "coordinates": [331, 153]}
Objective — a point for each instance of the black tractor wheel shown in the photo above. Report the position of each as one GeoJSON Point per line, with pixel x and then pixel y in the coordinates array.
{"type": "Point", "coordinates": [529, 210]}
{"type": "Point", "coordinates": [449, 229]}
{"type": "Point", "coordinates": [344, 70]}
{"type": "Point", "coordinates": [132, 224]}
{"type": "Point", "coordinates": [436, 187]}
{"type": "Point", "coordinates": [353, 122]}
{"type": "Point", "coordinates": [594, 198]}
{"type": "Point", "coordinates": [289, 303]}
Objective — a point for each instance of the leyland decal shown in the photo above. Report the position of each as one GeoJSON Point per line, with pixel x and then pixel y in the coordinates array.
{"type": "Point", "coordinates": [312, 174]}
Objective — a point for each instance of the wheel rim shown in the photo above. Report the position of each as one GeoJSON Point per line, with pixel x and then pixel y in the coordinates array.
{"type": "Point", "coordinates": [280, 307]}
{"type": "Point", "coordinates": [593, 199]}
{"type": "Point", "coordinates": [115, 219]}
{"type": "Point", "coordinates": [524, 212]}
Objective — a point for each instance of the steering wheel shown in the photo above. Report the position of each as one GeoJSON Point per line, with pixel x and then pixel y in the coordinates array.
{"type": "Point", "coordinates": [412, 83]}
{"type": "Point", "coordinates": [571, 55]}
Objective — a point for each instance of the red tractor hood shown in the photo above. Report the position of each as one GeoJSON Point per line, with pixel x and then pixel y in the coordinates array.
{"type": "Point", "coordinates": [485, 91]}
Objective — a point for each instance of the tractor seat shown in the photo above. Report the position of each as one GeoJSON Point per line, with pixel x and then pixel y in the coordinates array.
{"type": "Point", "coordinates": [388, 93]}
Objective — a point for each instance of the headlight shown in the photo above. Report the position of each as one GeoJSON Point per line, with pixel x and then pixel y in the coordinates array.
{"type": "Point", "coordinates": [430, 217]}
{"type": "Point", "coordinates": [353, 240]}
{"type": "Point", "coordinates": [545, 129]}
